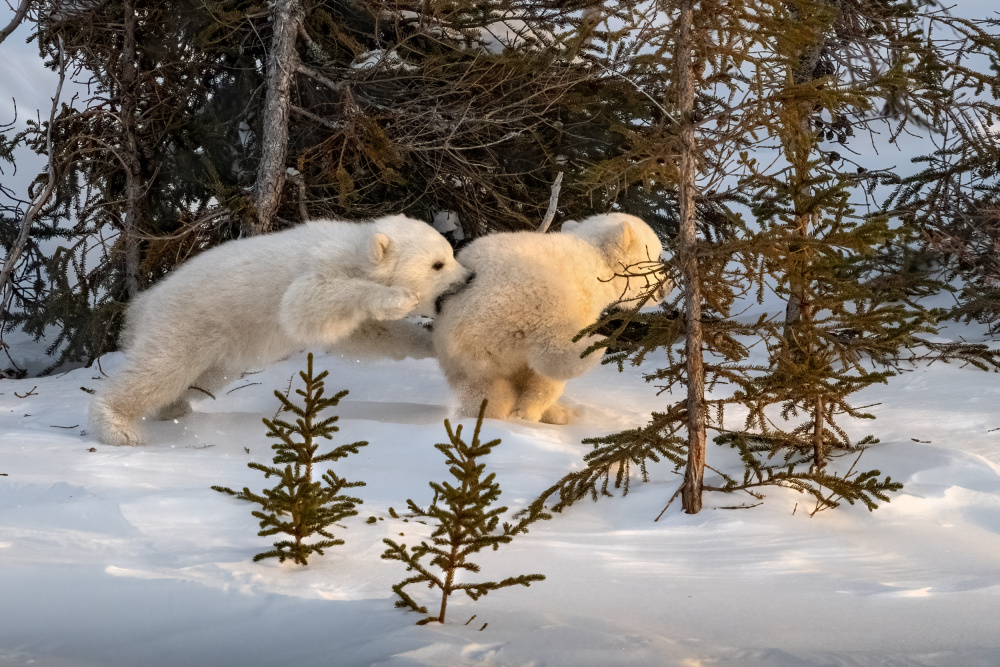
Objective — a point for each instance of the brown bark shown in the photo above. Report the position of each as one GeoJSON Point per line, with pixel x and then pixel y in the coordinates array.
{"type": "Point", "coordinates": [130, 156]}
{"type": "Point", "coordinates": [798, 148]}
{"type": "Point", "coordinates": [449, 580]}
{"type": "Point", "coordinates": [687, 246]}
{"type": "Point", "coordinates": [282, 63]}
{"type": "Point", "coordinates": [819, 418]}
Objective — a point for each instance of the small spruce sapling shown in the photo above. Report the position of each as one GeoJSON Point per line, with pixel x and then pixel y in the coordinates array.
{"type": "Point", "coordinates": [466, 524]}
{"type": "Point", "coordinates": [300, 506]}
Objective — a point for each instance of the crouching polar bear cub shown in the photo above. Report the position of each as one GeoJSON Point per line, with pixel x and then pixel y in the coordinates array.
{"type": "Point", "coordinates": [508, 336]}
{"type": "Point", "coordinates": [252, 301]}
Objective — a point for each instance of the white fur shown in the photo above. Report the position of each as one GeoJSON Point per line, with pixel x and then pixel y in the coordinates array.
{"type": "Point", "coordinates": [393, 339]}
{"type": "Point", "coordinates": [253, 301]}
{"type": "Point", "coordinates": [508, 337]}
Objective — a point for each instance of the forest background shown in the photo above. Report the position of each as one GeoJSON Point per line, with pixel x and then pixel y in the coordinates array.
{"type": "Point", "coordinates": [743, 132]}
{"type": "Point", "coordinates": [864, 261]}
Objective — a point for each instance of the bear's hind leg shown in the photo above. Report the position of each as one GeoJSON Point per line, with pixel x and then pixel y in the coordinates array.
{"type": "Point", "coordinates": [207, 385]}
{"type": "Point", "coordinates": [498, 392]}
{"type": "Point", "coordinates": [560, 358]}
{"type": "Point", "coordinates": [179, 408]}
{"type": "Point", "coordinates": [138, 390]}
{"type": "Point", "coordinates": [537, 397]}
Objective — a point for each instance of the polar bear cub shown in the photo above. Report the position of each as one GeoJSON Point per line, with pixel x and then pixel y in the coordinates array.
{"type": "Point", "coordinates": [253, 301]}
{"type": "Point", "coordinates": [508, 336]}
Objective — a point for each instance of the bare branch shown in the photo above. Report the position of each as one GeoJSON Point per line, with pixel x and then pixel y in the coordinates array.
{"type": "Point", "coordinates": [19, 14]}
{"type": "Point", "coordinates": [553, 202]}
{"type": "Point", "coordinates": [336, 86]}
{"type": "Point", "coordinates": [314, 118]}
{"type": "Point", "coordinates": [43, 197]}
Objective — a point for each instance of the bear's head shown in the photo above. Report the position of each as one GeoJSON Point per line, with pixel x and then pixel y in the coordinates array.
{"type": "Point", "coordinates": [411, 254]}
{"type": "Point", "coordinates": [632, 250]}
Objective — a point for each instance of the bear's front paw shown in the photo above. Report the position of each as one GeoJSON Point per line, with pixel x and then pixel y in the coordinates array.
{"type": "Point", "coordinates": [396, 304]}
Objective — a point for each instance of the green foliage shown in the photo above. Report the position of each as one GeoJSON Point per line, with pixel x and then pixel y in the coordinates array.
{"type": "Point", "coordinates": [851, 312]}
{"type": "Point", "coordinates": [300, 505]}
{"type": "Point", "coordinates": [614, 457]}
{"type": "Point", "coordinates": [954, 203]}
{"type": "Point", "coordinates": [77, 306]}
{"type": "Point", "coordinates": [827, 489]}
{"type": "Point", "coordinates": [767, 460]}
{"type": "Point", "coordinates": [465, 524]}
{"type": "Point", "coordinates": [806, 86]}
{"type": "Point", "coordinates": [129, 158]}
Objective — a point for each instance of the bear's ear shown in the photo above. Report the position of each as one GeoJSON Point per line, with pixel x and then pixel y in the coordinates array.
{"type": "Point", "coordinates": [381, 245]}
{"type": "Point", "coordinates": [624, 240]}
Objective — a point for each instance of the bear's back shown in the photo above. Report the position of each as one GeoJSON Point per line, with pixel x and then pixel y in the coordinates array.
{"type": "Point", "coordinates": [527, 281]}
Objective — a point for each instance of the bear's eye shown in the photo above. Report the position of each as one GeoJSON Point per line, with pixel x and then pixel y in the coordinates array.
{"type": "Point", "coordinates": [438, 266]}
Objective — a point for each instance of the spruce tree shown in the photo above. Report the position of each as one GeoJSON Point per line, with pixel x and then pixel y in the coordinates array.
{"type": "Point", "coordinates": [128, 164]}
{"type": "Point", "coordinates": [465, 523]}
{"type": "Point", "coordinates": [952, 201]}
{"type": "Point", "coordinates": [845, 327]}
{"type": "Point", "coordinates": [954, 204]}
{"type": "Point", "coordinates": [747, 68]}
{"type": "Point", "coordinates": [302, 505]}
{"type": "Point", "coordinates": [394, 108]}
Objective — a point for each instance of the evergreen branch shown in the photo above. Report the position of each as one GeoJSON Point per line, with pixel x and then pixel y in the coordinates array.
{"type": "Point", "coordinates": [465, 525]}
{"type": "Point", "coordinates": [299, 505]}
{"type": "Point", "coordinates": [613, 457]}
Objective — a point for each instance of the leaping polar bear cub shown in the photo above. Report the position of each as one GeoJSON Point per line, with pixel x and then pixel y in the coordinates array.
{"type": "Point", "coordinates": [253, 301]}
{"type": "Point", "coordinates": [508, 336]}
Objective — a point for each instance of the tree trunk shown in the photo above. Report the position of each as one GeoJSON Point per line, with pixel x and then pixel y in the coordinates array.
{"type": "Point", "coordinates": [819, 418]}
{"type": "Point", "coordinates": [797, 308]}
{"type": "Point", "coordinates": [130, 155]}
{"type": "Point", "coordinates": [282, 62]}
{"type": "Point", "coordinates": [449, 580]}
{"type": "Point", "coordinates": [687, 247]}
{"type": "Point", "coordinates": [797, 151]}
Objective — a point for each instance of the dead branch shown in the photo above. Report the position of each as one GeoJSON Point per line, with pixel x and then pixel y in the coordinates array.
{"type": "Point", "coordinates": [43, 197]}
{"type": "Point", "coordinates": [550, 214]}
{"type": "Point", "coordinates": [299, 180]}
{"type": "Point", "coordinates": [314, 118]}
{"type": "Point", "coordinates": [242, 386]}
{"type": "Point", "coordinates": [19, 14]}
{"type": "Point", "coordinates": [335, 86]}
{"type": "Point", "coordinates": [670, 502]}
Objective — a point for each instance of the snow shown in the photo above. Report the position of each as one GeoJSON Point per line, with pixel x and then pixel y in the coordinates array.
{"type": "Point", "coordinates": [448, 222]}
{"type": "Point", "coordinates": [125, 556]}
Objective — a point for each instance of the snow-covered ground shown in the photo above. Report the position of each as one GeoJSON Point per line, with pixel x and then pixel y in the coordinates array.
{"type": "Point", "coordinates": [126, 557]}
